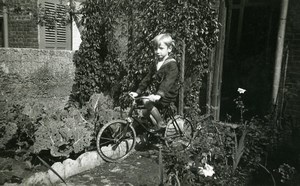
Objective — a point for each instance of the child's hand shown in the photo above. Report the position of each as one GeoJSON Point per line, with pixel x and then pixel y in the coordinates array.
{"type": "Point", "coordinates": [133, 94]}
{"type": "Point", "coordinates": [154, 98]}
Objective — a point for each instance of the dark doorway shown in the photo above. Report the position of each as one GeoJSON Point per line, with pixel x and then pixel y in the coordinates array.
{"type": "Point", "coordinates": [249, 56]}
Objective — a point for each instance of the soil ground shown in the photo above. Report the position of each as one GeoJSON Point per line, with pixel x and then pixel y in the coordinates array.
{"type": "Point", "coordinates": [139, 169]}
{"type": "Point", "coordinates": [14, 170]}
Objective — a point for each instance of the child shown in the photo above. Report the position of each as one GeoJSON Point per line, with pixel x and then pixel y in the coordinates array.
{"type": "Point", "coordinates": [162, 80]}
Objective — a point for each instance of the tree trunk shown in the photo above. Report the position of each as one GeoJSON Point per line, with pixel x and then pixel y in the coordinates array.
{"type": "Point", "coordinates": [181, 80]}
{"type": "Point", "coordinates": [279, 50]}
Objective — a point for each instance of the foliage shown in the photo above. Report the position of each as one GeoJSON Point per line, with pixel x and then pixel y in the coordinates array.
{"type": "Point", "coordinates": [99, 111]}
{"type": "Point", "coordinates": [20, 133]}
{"type": "Point", "coordinates": [193, 23]}
{"type": "Point", "coordinates": [72, 130]}
{"type": "Point", "coordinates": [14, 6]}
{"type": "Point", "coordinates": [8, 130]}
{"type": "Point", "coordinates": [63, 16]}
{"type": "Point", "coordinates": [62, 133]}
{"type": "Point", "coordinates": [105, 64]}
{"type": "Point", "coordinates": [16, 129]}
{"type": "Point", "coordinates": [233, 151]}
{"type": "Point", "coordinates": [97, 65]}
{"type": "Point", "coordinates": [286, 172]}
{"type": "Point", "coordinates": [213, 145]}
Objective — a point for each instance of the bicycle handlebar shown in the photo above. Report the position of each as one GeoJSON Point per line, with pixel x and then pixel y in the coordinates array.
{"type": "Point", "coordinates": [139, 97]}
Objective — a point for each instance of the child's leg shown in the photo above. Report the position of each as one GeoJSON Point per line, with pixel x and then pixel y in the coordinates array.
{"type": "Point", "coordinates": [153, 113]}
{"type": "Point", "coordinates": [147, 115]}
{"type": "Point", "coordinates": [157, 116]}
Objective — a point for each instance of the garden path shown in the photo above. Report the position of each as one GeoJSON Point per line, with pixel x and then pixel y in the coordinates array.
{"type": "Point", "coordinates": [140, 169]}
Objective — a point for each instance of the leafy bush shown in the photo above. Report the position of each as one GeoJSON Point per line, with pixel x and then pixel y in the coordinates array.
{"type": "Point", "coordinates": [97, 64]}
{"type": "Point", "coordinates": [212, 147]}
{"type": "Point", "coordinates": [228, 152]}
{"type": "Point", "coordinates": [16, 129]}
{"type": "Point", "coordinates": [62, 133]}
{"type": "Point", "coordinates": [72, 130]}
{"type": "Point", "coordinates": [8, 130]}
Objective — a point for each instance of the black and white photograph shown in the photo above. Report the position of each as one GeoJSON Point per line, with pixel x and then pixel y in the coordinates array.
{"type": "Point", "coordinates": [150, 92]}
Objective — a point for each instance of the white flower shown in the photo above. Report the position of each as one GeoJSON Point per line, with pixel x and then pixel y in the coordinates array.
{"type": "Point", "coordinates": [206, 171]}
{"type": "Point", "coordinates": [241, 91]}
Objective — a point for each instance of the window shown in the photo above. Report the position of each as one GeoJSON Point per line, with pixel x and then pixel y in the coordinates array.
{"type": "Point", "coordinates": [55, 34]}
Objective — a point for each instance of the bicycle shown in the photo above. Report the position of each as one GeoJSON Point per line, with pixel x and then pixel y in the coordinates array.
{"type": "Point", "coordinates": [117, 139]}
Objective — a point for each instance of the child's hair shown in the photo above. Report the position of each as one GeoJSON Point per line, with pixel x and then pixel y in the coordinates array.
{"type": "Point", "coordinates": [163, 38]}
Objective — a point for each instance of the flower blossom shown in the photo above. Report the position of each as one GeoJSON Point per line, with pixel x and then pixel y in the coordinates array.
{"type": "Point", "coordinates": [241, 90]}
{"type": "Point", "coordinates": [206, 171]}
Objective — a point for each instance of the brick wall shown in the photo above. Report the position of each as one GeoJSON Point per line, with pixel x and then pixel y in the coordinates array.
{"type": "Point", "coordinates": [22, 26]}
{"type": "Point", "coordinates": [32, 77]}
{"type": "Point", "coordinates": [293, 70]}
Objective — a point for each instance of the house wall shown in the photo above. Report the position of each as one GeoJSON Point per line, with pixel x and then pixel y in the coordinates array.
{"type": "Point", "coordinates": [23, 30]}
{"type": "Point", "coordinates": [22, 25]}
{"type": "Point", "coordinates": [76, 39]}
{"type": "Point", "coordinates": [35, 78]}
{"type": "Point", "coordinates": [293, 70]}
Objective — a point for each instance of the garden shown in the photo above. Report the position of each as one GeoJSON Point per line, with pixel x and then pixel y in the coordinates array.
{"type": "Point", "coordinates": [112, 59]}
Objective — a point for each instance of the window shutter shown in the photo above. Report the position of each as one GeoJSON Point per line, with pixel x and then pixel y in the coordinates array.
{"type": "Point", "coordinates": [49, 27]}
{"type": "Point", "coordinates": [55, 35]}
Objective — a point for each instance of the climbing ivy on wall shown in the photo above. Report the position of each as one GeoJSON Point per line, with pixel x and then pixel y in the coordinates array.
{"type": "Point", "coordinates": [96, 61]}
{"type": "Point", "coordinates": [101, 68]}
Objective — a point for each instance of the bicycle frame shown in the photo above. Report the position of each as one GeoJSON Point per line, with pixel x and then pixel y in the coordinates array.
{"type": "Point", "coordinates": [120, 134]}
{"type": "Point", "coordinates": [130, 118]}
{"type": "Point", "coordinates": [168, 112]}
{"type": "Point", "coordinates": [171, 115]}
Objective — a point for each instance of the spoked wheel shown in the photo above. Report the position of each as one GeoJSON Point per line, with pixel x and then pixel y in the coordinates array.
{"type": "Point", "coordinates": [179, 134]}
{"type": "Point", "coordinates": [116, 140]}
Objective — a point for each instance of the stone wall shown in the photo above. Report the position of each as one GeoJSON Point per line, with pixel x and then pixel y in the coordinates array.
{"type": "Point", "coordinates": [293, 70]}
{"type": "Point", "coordinates": [33, 77]}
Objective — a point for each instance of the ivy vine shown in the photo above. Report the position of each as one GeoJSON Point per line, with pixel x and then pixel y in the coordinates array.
{"type": "Point", "coordinates": [103, 66]}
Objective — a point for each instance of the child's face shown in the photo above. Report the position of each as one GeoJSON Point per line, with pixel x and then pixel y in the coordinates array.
{"type": "Point", "coordinates": [162, 50]}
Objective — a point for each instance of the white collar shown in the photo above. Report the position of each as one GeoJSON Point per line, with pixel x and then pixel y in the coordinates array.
{"type": "Point", "coordinates": [159, 64]}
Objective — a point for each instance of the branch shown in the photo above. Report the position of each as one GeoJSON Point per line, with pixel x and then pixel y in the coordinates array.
{"type": "Point", "coordinates": [48, 166]}
{"type": "Point", "coordinates": [274, 182]}
{"type": "Point", "coordinates": [231, 125]}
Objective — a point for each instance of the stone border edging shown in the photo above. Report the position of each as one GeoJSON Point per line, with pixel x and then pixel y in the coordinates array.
{"type": "Point", "coordinates": [67, 168]}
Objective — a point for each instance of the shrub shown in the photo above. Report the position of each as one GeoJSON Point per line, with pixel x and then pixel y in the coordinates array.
{"type": "Point", "coordinates": [72, 130]}
{"type": "Point", "coordinates": [16, 130]}
{"type": "Point", "coordinates": [230, 151]}
{"type": "Point", "coordinates": [62, 133]}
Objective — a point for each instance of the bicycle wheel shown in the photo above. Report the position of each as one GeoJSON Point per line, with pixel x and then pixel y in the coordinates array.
{"type": "Point", "coordinates": [179, 139]}
{"type": "Point", "coordinates": [116, 140]}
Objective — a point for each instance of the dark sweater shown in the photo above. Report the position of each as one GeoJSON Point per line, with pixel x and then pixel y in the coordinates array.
{"type": "Point", "coordinates": [163, 82]}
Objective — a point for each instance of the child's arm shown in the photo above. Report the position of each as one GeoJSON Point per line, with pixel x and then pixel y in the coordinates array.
{"type": "Point", "coordinates": [146, 81]}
